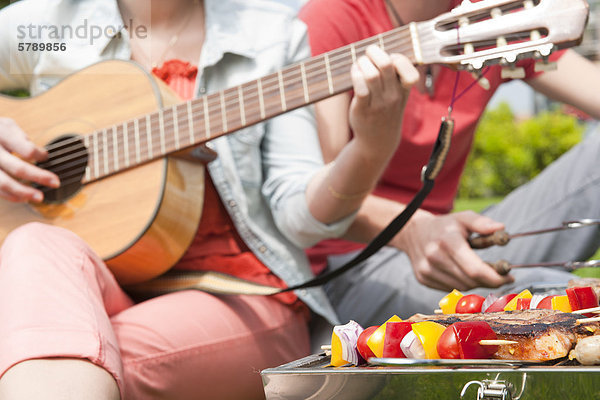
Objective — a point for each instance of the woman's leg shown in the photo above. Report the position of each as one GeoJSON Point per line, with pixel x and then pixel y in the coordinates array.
{"type": "Point", "coordinates": [191, 345]}
{"type": "Point", "coordinates": [56, 297]}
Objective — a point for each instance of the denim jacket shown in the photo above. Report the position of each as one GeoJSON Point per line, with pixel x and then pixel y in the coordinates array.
{"type": "Point", "coordinates": [261, 172]}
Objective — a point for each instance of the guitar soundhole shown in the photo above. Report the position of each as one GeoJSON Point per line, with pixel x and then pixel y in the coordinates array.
{"type": "Point", "coordinates": [67, 158]}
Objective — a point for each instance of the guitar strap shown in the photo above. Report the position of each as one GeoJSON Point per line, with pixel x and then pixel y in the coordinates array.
{"type": "Point", "coordinates": [219, 283]}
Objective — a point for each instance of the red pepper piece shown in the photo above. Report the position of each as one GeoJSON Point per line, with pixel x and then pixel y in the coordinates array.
{"type": "Point", "coordinates": [394, 333]}
{"type": "Point", "coordinates": [581, 298]}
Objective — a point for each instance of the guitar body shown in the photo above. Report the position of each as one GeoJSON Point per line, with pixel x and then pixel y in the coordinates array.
{"type": "Point", "coordinates": [141, 220]}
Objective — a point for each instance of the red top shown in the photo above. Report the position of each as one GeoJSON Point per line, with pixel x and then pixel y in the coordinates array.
{"type": "Point", "coordinates": [217, 245]}
{"type": "Point", "coordinates": [336, 23]}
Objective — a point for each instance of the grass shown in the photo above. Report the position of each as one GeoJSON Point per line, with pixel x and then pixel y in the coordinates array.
{"type": "Point", "coordinates": [480, 204]}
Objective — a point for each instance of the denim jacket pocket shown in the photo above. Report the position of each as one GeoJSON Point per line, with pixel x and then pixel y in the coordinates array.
{"type": "Point", "coordinates": [245, 146]}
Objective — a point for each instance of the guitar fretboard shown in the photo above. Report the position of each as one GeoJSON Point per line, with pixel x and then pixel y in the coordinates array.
{"type": "Point", "coordinates": [197, 121]}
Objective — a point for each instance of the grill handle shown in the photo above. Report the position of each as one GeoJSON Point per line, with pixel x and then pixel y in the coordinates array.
{"type": "Point", "coordinates": [491, 390]}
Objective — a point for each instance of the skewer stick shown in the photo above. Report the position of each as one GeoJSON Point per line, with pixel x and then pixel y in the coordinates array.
{"type": "Point", "coordinates": [496, 342]}
{"type": "Point", "coordinates": [325, 347]}
{"type": "Point", "coordinates": [587, 310]}
{"type": "Point", "coordinates": [584, 320]}
{"type": "Point", "coordinates": [438, 311]}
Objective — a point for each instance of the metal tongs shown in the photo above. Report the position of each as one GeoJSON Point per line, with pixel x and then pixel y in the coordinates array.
{"type": "Point", "coordinates": [503, 267]}
{"type": "Point", "coordinates": [501, 238]}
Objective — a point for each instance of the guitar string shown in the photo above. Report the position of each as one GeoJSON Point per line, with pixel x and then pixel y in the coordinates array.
{"type": "Point", "coordinates": [342, 56]}
{"type": "Point", "coordinates": [232, 95]}
{"type": "Point", "coordinates": [249, 110]}
{"type": "Point", "coordinates": [250, 99]}
{"type": "Point", "coordinates": [365, 42]}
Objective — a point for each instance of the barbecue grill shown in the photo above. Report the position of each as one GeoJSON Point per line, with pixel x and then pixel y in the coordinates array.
{"type": "Point", "coordinates": [313, 378]}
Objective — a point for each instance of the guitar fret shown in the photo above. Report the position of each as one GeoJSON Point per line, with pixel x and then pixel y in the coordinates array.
{"type": "Point", "coordinates": [223, 110]}
{"type": "Point", "coordinates": [115, 148]}
{"type": "Point", "coordinates": [281, 91]}
{"type": "Point", "coordinates": [353, 51]}
{"type": "Point", "coordinates": [206, 117]}
{"type": "Point", "coordinates": [381, 44]}
{"type": "Point", "coordinates": [190, 121]}
{"type": "Point", "coordinates": [105, 150]}
{"type": "Point", "coordinates": [161, 124]}
{"type": "Point", "coordinates": [175, 126]}
{"type": "Point", "coordinates": [414, 35]}
{"type": "Point", "coordinates": [241, 101]}
{"type": "Point", "coordinates": [126, 144]}
{"type": "Point", "coordinates": [149, 136]}
{"type": "Point", "coordinates": [96, 157]}
{"type": "Point", "coordinates": [304, 84]}
{"type": "Point", "coordinates": [88, 172]}
{"type": "Point", "coordinates": [261, 99]}
{"type": "Point", "coordinates": [136, 128]}
{"type": "Point", "coordinates": [328, 70]}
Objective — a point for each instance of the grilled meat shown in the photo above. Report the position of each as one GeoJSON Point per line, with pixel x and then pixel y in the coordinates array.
{"type": "Point", "coordinates": [542, 335]}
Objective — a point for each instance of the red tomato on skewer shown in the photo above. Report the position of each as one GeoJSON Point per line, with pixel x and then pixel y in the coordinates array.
{"type": "Point", "coordinates": [361, 344]}
{"type": "Point", "coordinates": [470, 304]}
{"type": "Point", "coordinates": [461, 340]}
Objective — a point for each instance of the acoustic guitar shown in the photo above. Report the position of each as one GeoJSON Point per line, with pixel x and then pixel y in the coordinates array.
{"type": "Point", "coordinates": [113, 132]}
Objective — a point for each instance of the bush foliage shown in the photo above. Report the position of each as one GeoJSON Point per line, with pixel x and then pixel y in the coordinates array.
{"type": "Point", "coordinates": [507, 152]}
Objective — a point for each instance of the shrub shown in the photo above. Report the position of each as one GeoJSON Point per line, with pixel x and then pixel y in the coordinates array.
{"type": "Point", "coordinates": [507, 153]}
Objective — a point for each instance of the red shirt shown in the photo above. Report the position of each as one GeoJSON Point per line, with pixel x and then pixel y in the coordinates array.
{"type": "Point", "coordinates": [217, 245]}
{"type": "Point", "coordinates": [336, 23]}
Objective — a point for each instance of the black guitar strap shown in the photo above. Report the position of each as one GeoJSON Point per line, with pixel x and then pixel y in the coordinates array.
{"type": "Point", "coordinates": [428, 175]}
{"type": "Point", "coordinates": [215, 282]}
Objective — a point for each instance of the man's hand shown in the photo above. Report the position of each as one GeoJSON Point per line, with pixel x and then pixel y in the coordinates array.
{"type": "Point", "coordinates": [440, 254]}
{"type": "Point", "coordinates": [16, 153]}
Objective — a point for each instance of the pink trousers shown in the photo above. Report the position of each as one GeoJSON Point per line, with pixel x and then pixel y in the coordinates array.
{"type": "Point", "coordinates": [58, 299]}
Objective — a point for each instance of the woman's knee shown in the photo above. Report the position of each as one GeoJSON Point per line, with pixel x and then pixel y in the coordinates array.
{"type": "Point", "coordinates": [36, 235]}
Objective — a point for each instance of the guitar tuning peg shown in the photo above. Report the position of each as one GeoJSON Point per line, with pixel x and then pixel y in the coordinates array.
{"type": "Point", "coordinates": [544, 66]}
{"type": "Point", "coordinates": [512, 73]}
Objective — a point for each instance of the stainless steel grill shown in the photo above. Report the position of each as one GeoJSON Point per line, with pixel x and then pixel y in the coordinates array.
{"type": "Point", "coordinates": [312, 378]}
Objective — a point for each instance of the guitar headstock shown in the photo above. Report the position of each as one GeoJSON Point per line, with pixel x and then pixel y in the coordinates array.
{"type": "Point", "coordinates": [501, 31]}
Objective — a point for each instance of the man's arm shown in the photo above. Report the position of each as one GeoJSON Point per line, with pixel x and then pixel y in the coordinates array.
{"type": "Point", "coordinates": [576, 81]}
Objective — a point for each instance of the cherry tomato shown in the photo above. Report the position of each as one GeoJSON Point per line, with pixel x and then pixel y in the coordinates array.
{"type": "Point", "coordinates": [394, 333]}
{"type": "Point", "coordinates": [499, 304]}
{"type": "Point", "coordinates": [461, 340]}
{"type": "Point", "coordinates": [363, 348]}
{"type": "Point", "coordinates": [469, 304]}
{"type": "Point", "coordinates": [447, 346]}
{"type": "Point", "coordinates": [546, 303]}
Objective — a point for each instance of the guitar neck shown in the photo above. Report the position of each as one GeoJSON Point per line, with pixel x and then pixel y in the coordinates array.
{"type": "Point", "coordinates": [473, 34]}
{"type": "Point", "coordinates": [197, 121]}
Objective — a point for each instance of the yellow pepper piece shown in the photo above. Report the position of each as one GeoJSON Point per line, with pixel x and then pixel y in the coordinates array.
{"type": "Point", "coordinates": [336, 351]}
{"type": "Point", "coordinates": [448, 302]}
{"type": "Point", "coordinates": [429, 333]}
{"type": "Point", "coordinates": [512, 305]}
{"type": "Point", "coordinates": [377, 338]}
{"type": "Point", "coordinates": [561, 303]}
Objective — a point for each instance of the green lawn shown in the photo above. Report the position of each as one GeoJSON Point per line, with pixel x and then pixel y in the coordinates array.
{"type": "Point", "coordinates": [480, 204]}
